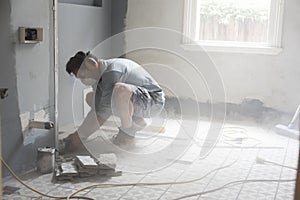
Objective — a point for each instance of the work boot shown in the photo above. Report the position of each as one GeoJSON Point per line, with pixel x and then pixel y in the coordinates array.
{"type": "Point", "coordinates": [73, 144]}
{"type": "Point", "coordinates": [138, 123]}
{"type": "Point", "coordinates": [124, 139]}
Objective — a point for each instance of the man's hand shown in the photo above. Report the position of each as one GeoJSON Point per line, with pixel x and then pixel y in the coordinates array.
{"type": "Point", "coordinates": [100, 120]}
{"type": "Point", "coordinates": [73, 143]}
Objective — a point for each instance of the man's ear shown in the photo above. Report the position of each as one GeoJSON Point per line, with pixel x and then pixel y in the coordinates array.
{"type": "Point", "coordinates": [91, 64]}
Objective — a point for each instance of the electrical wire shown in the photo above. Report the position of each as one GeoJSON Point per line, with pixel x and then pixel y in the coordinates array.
{"type": "Point", "coordinates": [152, 184]}
{"type": "Point", "coordinates": [243, 136]}
{"type": "Point", "coordinates": [230, 130]}
{"type": "Point", "coordinates": [166, 183]}
{"type": "Point", "coordinates": [263, 161]}
{"type": "Point", "coordinates": [36, 191]}
{"type": "Point", "coordinates": [107, 185]}
{"type": "Point", "coordinates": [233, 183]}
{"type": "Point", "coordinates": [110, 185]}
{"type": "Point", "coordinates": [149, 184]}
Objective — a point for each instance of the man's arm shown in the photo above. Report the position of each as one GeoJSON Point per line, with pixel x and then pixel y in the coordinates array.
{"type": "Point", "coordinates": [101, 120]}
{"type": "Point", "coordinates": [103, 108]}
{"type": "Point", "coordinates": [90, 124]}
{"type": "Point", "coordinates": [98, 115]}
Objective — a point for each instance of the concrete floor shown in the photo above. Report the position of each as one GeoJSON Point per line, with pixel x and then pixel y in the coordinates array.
{"type": "Point", "coordinates": [239, 145]}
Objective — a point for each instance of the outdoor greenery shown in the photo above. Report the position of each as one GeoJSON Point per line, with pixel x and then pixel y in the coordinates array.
{"type": "Point", "coordinates": [225, 11]}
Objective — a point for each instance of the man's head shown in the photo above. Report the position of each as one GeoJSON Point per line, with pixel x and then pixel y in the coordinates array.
{"type": "Point", "coordinates": [82, 65]}
{"type": "Point", "coordinates": [73, 65]}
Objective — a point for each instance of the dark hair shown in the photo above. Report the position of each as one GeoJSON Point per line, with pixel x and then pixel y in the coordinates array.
{"type": "Point", "coordinates": [75, 62]}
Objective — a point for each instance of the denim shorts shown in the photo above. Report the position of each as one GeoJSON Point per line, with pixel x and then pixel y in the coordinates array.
{"type": "Point", "coordinates": [147, 103]}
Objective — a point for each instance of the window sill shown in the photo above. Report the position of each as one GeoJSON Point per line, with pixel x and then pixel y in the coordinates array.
{"type": "Point", "coordinates": [231, 48]}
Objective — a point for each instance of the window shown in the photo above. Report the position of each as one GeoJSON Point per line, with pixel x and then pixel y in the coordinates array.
{"type": "Point", "coordinates": [249, 26]}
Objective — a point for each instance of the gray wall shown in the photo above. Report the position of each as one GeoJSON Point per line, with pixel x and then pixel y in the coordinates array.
{"type": "Point", "coordinates": [118, 15]}
{"type": "Point", "coordinates": [28, 74]}
{"type": "Point", "coordinates": [272, 79]}
{"type": "Point", "coordinates": [83, 2]}
{"type": "Point", "coordinates": [28, 69]}
{"type": "Point", "coordinates": [79, 28]}
{"type": "Point", "coordinates": [9, 107]}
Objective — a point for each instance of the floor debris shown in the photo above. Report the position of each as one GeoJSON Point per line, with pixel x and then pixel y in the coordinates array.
{"type": "Point", "coordinates": [107, 161]}
{"type": "Point", "coordinates": [7, 190]}
{"type": "Point", "coordinates": [86, 166]}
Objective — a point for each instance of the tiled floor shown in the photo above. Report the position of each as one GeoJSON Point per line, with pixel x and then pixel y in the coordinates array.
{"type": "Point", "coordinates": [238, 150]}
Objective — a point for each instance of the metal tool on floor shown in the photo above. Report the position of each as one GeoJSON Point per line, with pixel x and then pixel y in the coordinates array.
{"type": "Point", "coordinates": [290, 130]}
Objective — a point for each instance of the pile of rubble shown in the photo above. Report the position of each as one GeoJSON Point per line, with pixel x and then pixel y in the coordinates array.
{"type": "Point", "coordinates": [86, 166]}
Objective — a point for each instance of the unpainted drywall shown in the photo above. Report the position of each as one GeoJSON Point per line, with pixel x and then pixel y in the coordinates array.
{"type": "Point", "coordinates": [79, 28]}
{"type": "Point", "coordinates": [11, 136]}
{"type": "Point", "coordinates": [32, 60]}
{"type": "Point", "coordinates": [271, 79]}
{"type": "Point", "coordinates": [28, 73]}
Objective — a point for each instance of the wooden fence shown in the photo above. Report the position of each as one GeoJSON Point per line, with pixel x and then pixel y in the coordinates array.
{"type": "Point", "coordinates": [247, 30]}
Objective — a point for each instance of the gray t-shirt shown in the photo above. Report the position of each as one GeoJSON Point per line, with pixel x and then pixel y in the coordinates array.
{"type": "Point", "coordinates": [124, 71]}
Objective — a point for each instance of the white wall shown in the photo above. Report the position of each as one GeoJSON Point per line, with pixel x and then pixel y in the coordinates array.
{"type": "Point", "coordinates": [273, 79]}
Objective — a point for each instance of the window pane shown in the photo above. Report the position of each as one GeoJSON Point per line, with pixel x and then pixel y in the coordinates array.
{"type": "Point", "coordinates": [234, 20]}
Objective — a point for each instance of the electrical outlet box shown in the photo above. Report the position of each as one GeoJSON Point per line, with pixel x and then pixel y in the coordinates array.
{"type": "Point", "coordinates": [30, 35]}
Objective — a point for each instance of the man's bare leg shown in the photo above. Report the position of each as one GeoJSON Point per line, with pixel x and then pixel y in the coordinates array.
{"type": "Point", "coordinates": [122, 105]}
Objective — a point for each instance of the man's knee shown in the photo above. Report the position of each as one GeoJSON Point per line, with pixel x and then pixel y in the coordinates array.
{"type": "Point", "coordinates": [122, 91]}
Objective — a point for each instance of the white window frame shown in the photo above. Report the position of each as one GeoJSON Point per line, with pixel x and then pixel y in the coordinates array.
{"type": "Point", "coordinates": [191, 31]}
